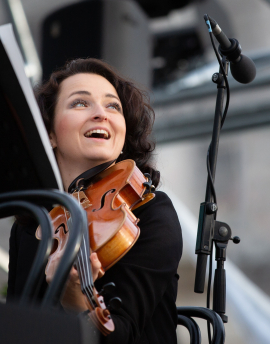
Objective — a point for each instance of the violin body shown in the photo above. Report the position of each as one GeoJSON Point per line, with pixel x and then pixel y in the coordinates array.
{"type": "Point", "coordinates": [112, 227]}
{"type": "Point", "coordinates": [108, 201]}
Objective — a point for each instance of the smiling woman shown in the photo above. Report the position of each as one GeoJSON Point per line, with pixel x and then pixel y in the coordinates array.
{"type": "Point", "coordinates": [89, 126]}
{"type": "Point", "coordinates": [122, 94]}
{"type": "Point", "coordinates": [93, 116]}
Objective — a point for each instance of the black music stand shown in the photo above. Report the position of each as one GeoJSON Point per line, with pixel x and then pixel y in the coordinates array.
{"type": "Point", "coordinates": [29, 174]}
{"type": "Point", "coordinates": [27, 160]}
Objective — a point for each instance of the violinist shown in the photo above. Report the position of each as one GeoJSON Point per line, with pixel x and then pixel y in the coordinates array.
{"type": "Point", "coordinates": [94, 116]}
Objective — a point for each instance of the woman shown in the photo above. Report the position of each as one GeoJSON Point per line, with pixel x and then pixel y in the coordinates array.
{"type": "Point", "coordinates": [94, 116]}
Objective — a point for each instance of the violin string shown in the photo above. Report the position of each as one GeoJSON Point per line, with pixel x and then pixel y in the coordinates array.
{"type": "Point", "coordinates": [86, 254]}
{"type": "Point", "coordinates": [79, 259]}
{"type": "Point", "coordinates": [80, 269]}
{"type": "Point", "coordinates": [87, 262]}
{"type": "Point", "coordinates": [89, 289]}
{"type": "Point", "coordinates": [85, 289]}
{"type": "Point", "coordinates": [84, 267]}
{"type": "Point", "coordinates": [81, 272]}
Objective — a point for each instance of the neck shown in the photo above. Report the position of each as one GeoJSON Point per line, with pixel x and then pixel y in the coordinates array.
{"type": "Point", "coordinates": [70, 171]}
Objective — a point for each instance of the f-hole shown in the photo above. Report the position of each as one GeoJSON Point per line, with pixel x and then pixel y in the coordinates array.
{"type": "Point", "coordinates": [103, 199]}
{"type": "Point", "coordinates": [58, 229]}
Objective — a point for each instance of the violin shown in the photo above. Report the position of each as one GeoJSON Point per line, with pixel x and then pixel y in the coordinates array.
{"type": "Point", "coordinates": [112, 228]}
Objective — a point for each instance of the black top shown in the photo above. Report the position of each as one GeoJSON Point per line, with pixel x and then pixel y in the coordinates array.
{"type": "Point", "coordinates": [145, 278]}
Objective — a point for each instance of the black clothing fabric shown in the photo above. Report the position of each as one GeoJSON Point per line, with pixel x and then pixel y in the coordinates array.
{"type": "Point", "coordinates": [22, 250]}
{"type": "Point", "coordinates": [145, 278]}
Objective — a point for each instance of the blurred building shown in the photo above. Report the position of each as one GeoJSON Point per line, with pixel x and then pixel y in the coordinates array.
{"type": "Point", "coordinates": [181, 63]}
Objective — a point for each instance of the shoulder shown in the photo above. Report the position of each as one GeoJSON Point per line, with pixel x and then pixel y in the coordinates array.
{"type": "Point", "coordinates": [160, 199]}
{"type": "Point", "coordinates": [18, 229]}
{"type": "Point", "coordinates": [159, 224]}
{"type": "Point", "coordinates": [159, 208]}
{"type": "Point", "coordinates": [23, 240]}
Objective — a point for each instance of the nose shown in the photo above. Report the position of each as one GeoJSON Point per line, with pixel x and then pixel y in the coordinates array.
{"type": "Point", "coordinates": [99, 114]}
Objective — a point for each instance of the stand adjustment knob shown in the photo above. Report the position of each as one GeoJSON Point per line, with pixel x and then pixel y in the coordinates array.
{"type": "Point", "coordinates": [211, 208]}
{"type": "Point", "coordinates": [236, 239]}
{"type": "Point", "coordinates": [217, 78]}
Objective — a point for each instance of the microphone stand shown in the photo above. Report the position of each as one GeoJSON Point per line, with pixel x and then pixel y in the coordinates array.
{"type": "Point", "coordinates": [209, 229]}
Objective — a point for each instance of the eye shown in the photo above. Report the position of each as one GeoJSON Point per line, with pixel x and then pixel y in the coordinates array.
{"type": "Point", "coordinates": [115, 106]}
{"type": "Point", "coordinates": [79, 103]}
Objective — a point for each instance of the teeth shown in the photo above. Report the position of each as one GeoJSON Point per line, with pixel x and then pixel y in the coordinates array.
{"type": "Point", "coordinates": [97, 131]}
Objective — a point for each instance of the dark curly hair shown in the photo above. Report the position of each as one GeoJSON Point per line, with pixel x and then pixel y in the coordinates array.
{"type": "Point", "coordinates": [138, 113]}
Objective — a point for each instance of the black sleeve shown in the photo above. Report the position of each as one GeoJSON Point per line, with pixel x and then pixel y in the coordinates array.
{"type": "Point", "coordinates": [13, 250]}
{"type": "Point", "coordinates": [23, 246]}
{"type": "Point", "coordinates": [145, 277]}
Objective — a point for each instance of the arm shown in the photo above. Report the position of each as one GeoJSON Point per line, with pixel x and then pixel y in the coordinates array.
{"type": "Point", "coordinates": [22, 251]}
{"type": "Point", "coordinates": [13, 253]}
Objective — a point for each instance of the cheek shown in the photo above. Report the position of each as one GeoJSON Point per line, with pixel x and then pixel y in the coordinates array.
{"type": "Point", "coordinates": [62, 128]}
{"type": "Point", "coordinates": [122, 137]}
{"type": "Point", "coordinates": [123, 128]}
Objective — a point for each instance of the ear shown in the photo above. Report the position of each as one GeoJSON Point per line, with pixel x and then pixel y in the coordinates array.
{"type": "Point", "coordinates": [52, 138]}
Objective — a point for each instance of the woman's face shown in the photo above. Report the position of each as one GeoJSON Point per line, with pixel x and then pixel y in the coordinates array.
{"type": "Point", "coordinates": [89, 126]}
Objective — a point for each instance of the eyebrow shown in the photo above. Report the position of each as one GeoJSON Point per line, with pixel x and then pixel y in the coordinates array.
{"type": "Point", "coordinates": [79, 92]}
{"type": "Point", "coordinates": [108, 95]}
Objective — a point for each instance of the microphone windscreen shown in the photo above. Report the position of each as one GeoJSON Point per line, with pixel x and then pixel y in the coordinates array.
{"type": "Point", "coordinates": [243, 71]}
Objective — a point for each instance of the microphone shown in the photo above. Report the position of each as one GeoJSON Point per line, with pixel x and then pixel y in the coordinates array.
{"type": "Point", "coordinates": [242, 67]}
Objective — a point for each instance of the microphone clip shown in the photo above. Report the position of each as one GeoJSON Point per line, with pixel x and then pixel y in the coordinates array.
{"type": "Point", "coordinates": [233, 53]}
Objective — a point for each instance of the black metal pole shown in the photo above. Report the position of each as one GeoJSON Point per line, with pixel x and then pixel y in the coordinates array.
{"type": "Point", "coordinates": [213, 152]}
{"type": "Point", "coordinates": [219, 291]}
{"type": "Point", "coordinates": [208, 210]}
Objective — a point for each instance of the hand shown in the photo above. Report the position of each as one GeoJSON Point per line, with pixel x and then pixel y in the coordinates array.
{"type": "Point", "coordinates": [73, 298]}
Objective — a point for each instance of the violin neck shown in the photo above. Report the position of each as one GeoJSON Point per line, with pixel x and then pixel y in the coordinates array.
{"type": "Point", "coordinates": [84, 268]}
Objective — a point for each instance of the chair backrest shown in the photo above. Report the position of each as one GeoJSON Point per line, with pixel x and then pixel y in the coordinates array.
{"type": "Point", "coordinates": [185, 318]}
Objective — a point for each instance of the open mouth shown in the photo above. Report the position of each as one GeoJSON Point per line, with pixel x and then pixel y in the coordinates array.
{"type": "Point", "coordinates": [98, 133]}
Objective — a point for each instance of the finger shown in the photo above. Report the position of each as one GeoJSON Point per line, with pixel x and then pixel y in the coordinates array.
{"type": "Point", "coordinates": [96, 265]}
{"type": "Point", "coordinates": [73, 275]}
